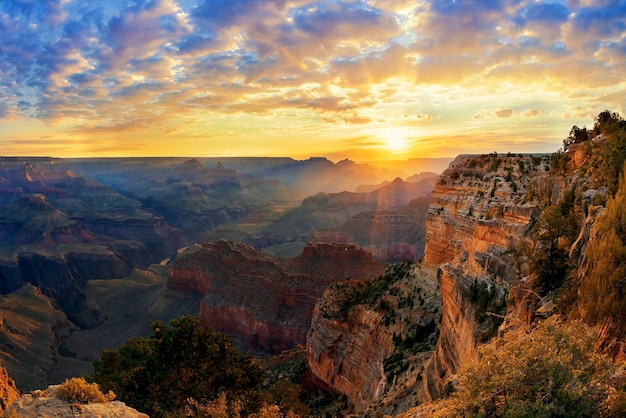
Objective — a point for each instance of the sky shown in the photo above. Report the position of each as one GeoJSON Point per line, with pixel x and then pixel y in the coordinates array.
{"type": "Point", "coordinates": [364, 80]}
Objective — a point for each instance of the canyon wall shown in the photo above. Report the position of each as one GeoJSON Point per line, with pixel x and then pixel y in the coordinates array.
{"type": "Point", "coordinates": [478, 217]}
{"type": "Point", "coordinates": [265, 303]}
{"type": "Point", "coordinates": [369, 341]}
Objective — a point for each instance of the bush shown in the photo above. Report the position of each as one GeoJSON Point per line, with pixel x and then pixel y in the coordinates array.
{"type": "Point", "coordinates": [157, 375]}
{"type": "Point", "coordinates": [602, 292]}
{"type": "Point", "coordinates": [78, 390]}
{"type": "Point", "coordinates": [552, 371]}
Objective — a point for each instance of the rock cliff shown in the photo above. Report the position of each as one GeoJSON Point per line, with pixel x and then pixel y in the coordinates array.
{"type": "Point", "coordinates": [265, 303]}
{"type": "Point", "coordinates": [45, 403]}
{"type": "Point", "coordinates": [369, 341]}
{"type": "Point", "coordinates": [479, 216]}
{"type": "Point", "coordinates": [8, 390]}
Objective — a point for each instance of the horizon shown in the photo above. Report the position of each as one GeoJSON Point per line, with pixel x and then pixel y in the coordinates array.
{"type": "Point", "coordinates": [362, 80]}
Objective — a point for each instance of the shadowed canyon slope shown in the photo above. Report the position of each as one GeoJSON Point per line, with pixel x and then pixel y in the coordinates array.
{"type": "Point", "coordinates": [265, 303]}
{"type": "Point", "coordinates": [59, 229]}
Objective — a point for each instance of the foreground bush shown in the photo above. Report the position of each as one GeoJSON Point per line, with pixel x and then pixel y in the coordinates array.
{"type": "Point", "coordinates": [553, 371]}
{"type": "Point", "coordinates": [78, 390]}
{"type": "Point", "coordinates": [157, 375]}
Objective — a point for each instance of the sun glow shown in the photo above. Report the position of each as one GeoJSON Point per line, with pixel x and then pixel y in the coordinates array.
{"type": "Point", "coordinates": [396, 140]}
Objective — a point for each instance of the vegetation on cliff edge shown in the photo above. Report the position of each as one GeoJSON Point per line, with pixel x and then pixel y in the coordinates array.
{"type": "Point", "coordinates": [187, 368]}
{"type": "Point", "coordinates": [552, 371]}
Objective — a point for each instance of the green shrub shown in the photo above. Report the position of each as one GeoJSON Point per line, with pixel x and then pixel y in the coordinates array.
{"type": "Point", "coordinates": [78, 390]}
{"type": "Point", "coordinates": [602, 292]}
{"type": "Point", "coordinates": [157, 375]}
{"type": "Point", "coordinates": [553, 371]}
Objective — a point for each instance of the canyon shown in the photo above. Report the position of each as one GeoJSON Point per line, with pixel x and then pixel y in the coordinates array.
{"type": "Point", "coordinates": [489, 218]}
{"type": "Point", "coordinates": [385, 337]}
{"type": "Point", "coordinates": [265, 303]}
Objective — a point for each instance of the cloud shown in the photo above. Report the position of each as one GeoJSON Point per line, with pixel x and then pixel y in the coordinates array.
{"type": "Point", "coordinates": [504, 113]}
{"type": "Point", "coordinates": [142, 31]}
{"type": "Point", "coordinates": [341, 19]}
{"type": "Point", "coordinates": [531, 113]}
{"type": "Point", "coordinates": [551, 13]}
{"type": "Point", "coordinates": [417, 117]}
{"type": "Point", "coordinates": [102, 67]}
{"type": "Point", "coordinates": [225, 13]}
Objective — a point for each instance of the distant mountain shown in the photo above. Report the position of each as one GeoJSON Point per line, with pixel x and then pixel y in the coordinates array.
{"type": "Point", "coordinates": [317, 175]}
{"type": "Point", "coordinates": [329, 210]}
{"type": "Point", "coordinates": [187, 193]}
{"type": "Point", "coordinates": [391, 235]}
{"type": "Point", "coordinates": [415, 178]}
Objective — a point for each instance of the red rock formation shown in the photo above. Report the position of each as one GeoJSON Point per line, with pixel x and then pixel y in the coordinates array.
{"type": "Point", "coordinates": [355, 332]}
{"type": "Point", "coordinates": [265, 303]}
{"type": "Point", "coordinates": [8, 390]}
{"type": "Point", "coordinates": [348, 356]}
{"type": "Point", "coordinates": [476, 215]}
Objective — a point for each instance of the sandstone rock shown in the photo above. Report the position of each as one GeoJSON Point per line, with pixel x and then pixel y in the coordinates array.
{"type": "Point", "coordinates": [45, 404]}
{"type": "Point", "coordinates": [349, 356]}
{"type": "Point", "coordinates": [8, 390]}
{"type": "Point", "coordinates": [478, 216]}
{"type": "Point", "coordinates": [371, 347]}
{"type": "Point", "coordinates": [265, 303]}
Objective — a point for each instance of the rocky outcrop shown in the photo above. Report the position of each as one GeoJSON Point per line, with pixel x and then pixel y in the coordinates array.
{"type": "Point", "coordinates": [45, 403]}
{"type": "Point", "coordinates": [369, 341]}
{"type": "Point", "coordinates": [348, 356]}
{"type": "Point", "coordinates": [8, 390]}
{"type": "Point", "coordinates": [265, 303]}
{"type": "Point", "coordinates": [479, 215]}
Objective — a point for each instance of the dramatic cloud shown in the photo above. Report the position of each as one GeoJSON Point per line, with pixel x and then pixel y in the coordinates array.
{"type": "Point", "coordinates": [160, 77]}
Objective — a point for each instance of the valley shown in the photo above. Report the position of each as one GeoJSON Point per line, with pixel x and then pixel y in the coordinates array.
{"type": "Point", "coordinates": [105, 247]}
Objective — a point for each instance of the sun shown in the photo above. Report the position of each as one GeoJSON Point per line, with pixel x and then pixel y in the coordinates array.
{"type": "Point", "coordinates": [396, 140]}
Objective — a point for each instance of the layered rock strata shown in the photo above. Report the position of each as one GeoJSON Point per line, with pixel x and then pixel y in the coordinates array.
{"type": "Point", "coordinates": [477, 228]}
{"type": "Point", "coordinates": [265, 303]}
{"type": "Point", "coordinates": [370, 341]}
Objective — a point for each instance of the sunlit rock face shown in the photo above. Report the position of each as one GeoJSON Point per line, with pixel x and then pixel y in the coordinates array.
{"type": "Point", "coordinates": [265, 303]}
{"type": "Point", "coordinates": [8, 390]}
{"type": "Point", "coordinates": [46, 403]}
{"type": "Point", "coordinates": [370, 347]}
{"type": "Point", "coordinates": [347, 356]}
{"type": "Point", "coordinates": [478, 217]}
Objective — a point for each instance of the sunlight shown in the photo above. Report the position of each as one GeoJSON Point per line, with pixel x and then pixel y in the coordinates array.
{"type": "Point", "coordinates": [396, 140]}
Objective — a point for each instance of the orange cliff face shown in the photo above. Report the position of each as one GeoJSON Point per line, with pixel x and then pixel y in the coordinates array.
{"type": "Point", "coordinates": [355, 332]}
{"type": "Point", "coordinates": [265, 303]}
{"type": "Point", "coordinates": [478, 219]}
